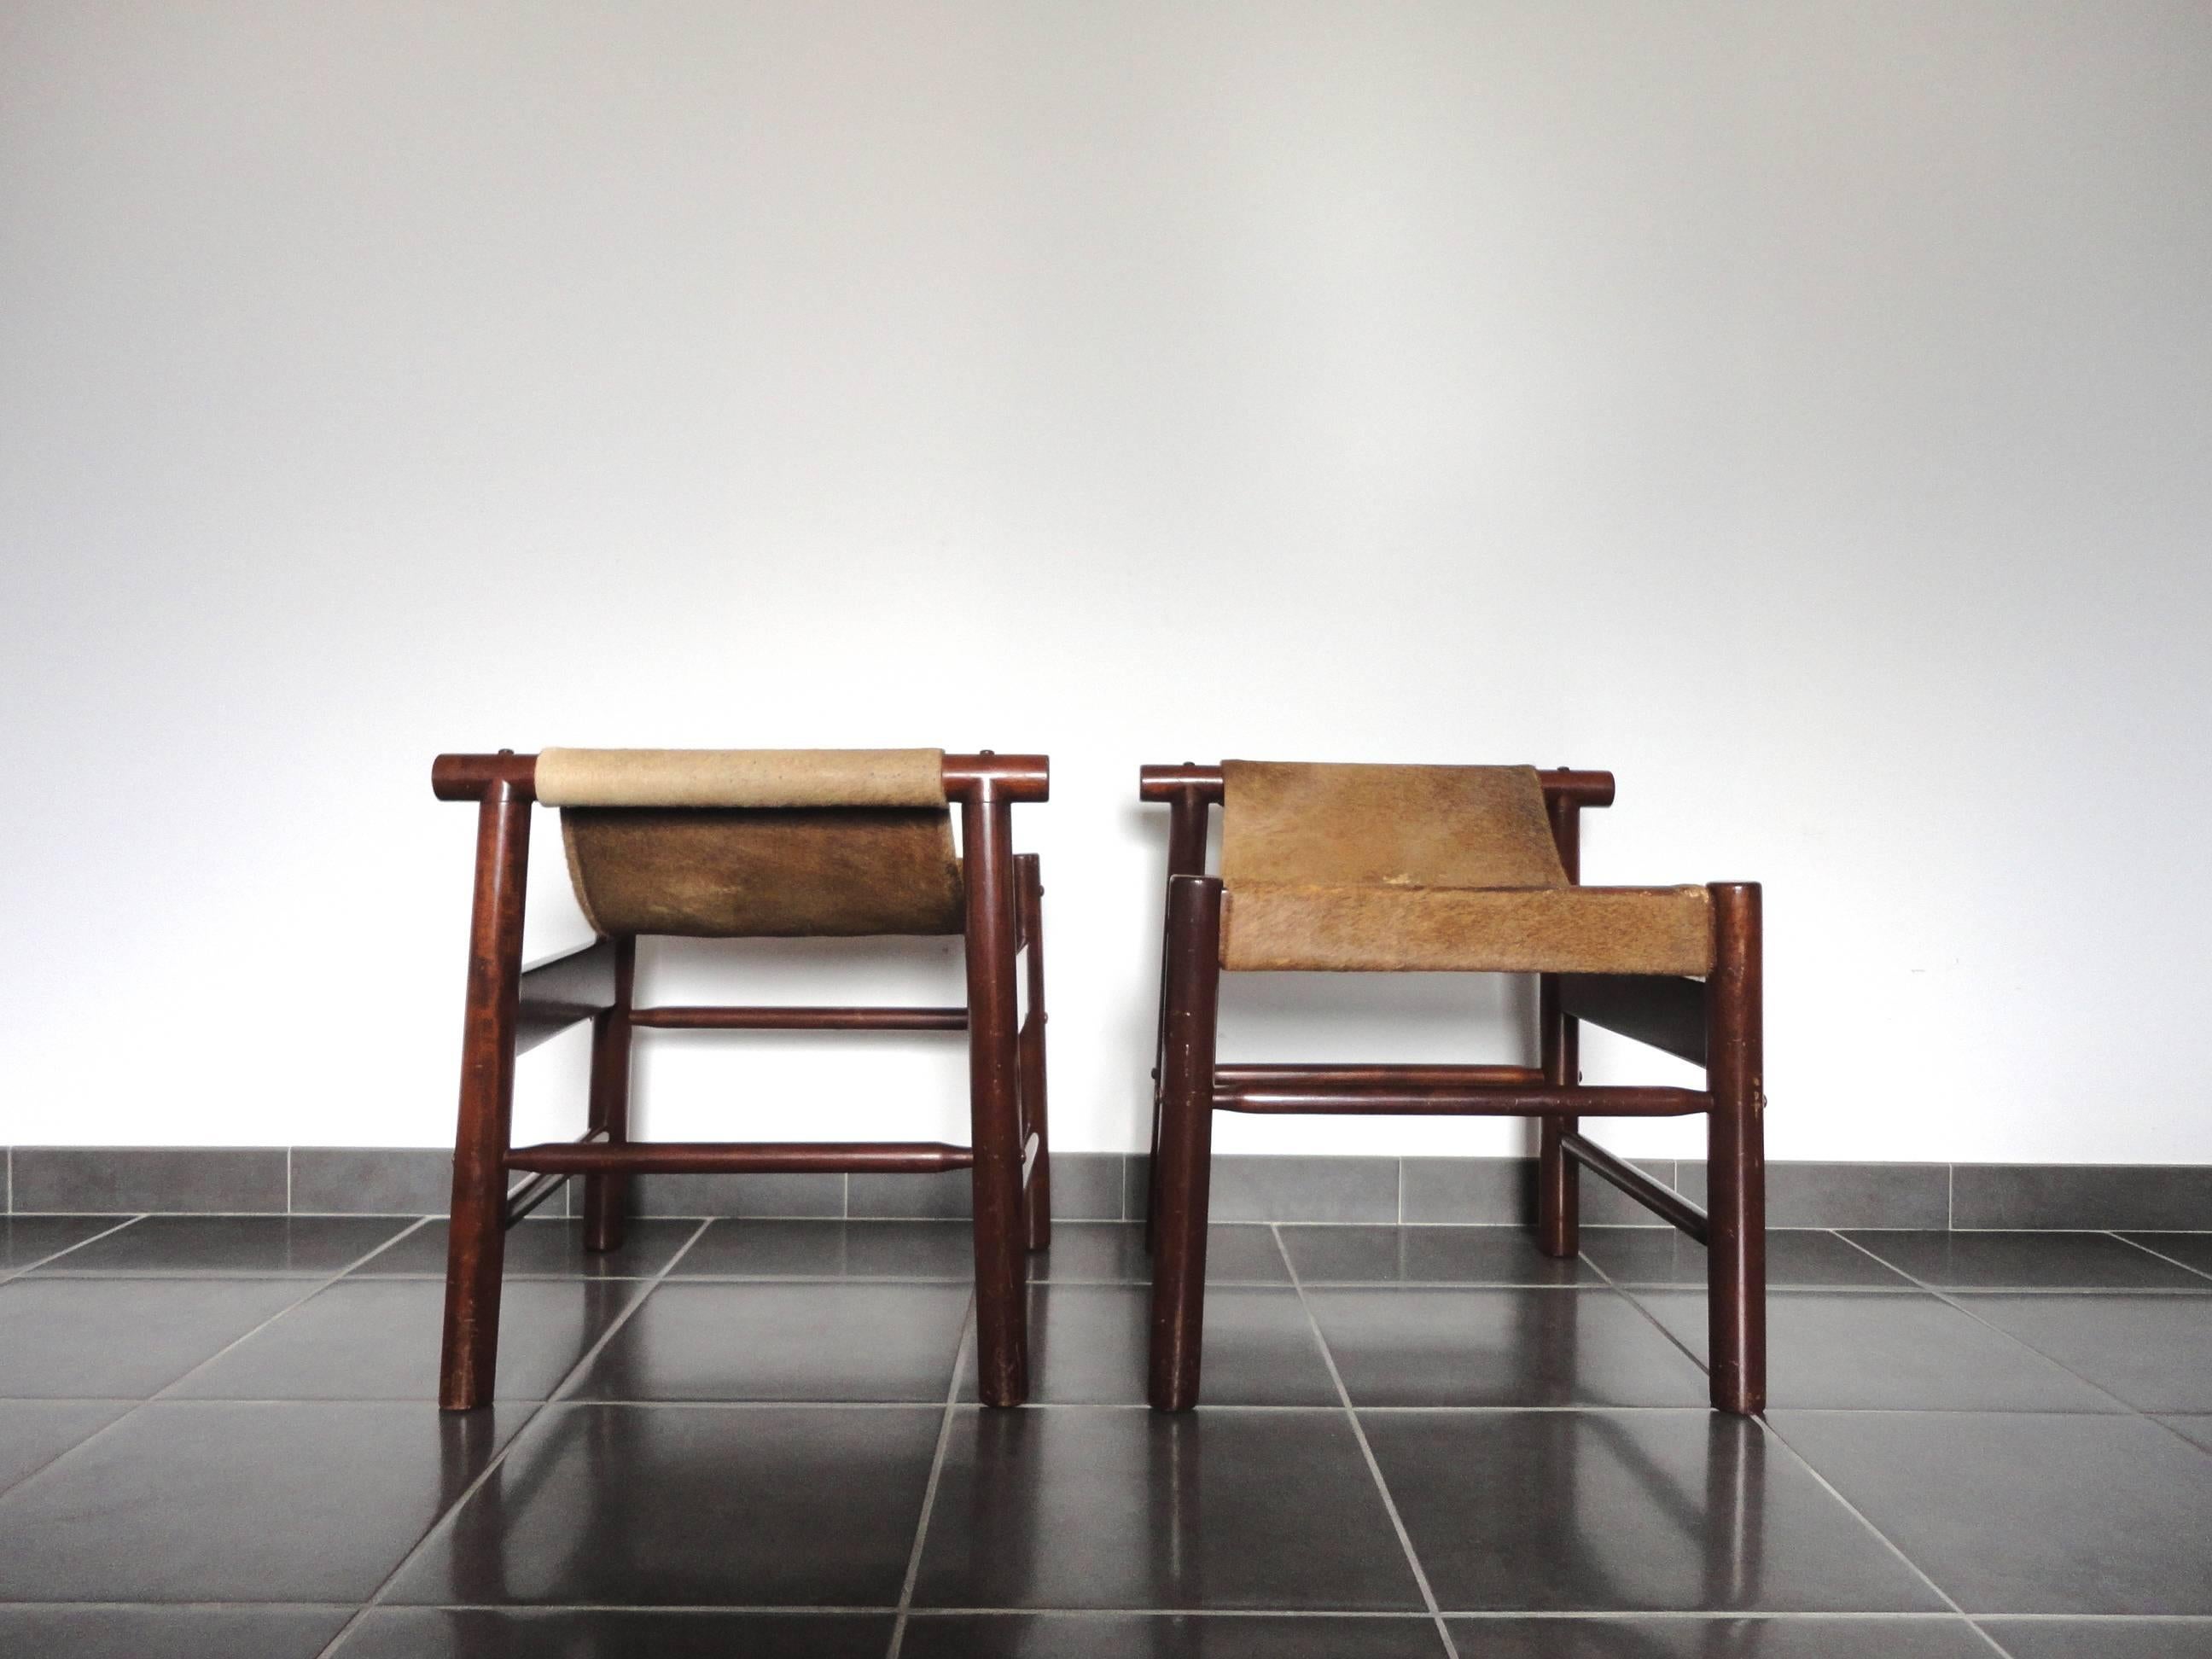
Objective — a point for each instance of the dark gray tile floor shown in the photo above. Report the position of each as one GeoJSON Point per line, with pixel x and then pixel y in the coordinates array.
{"type": "Point", "coordinates": [216, 1437]}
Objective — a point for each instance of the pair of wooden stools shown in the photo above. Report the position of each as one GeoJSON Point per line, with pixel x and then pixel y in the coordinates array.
{"type": "Point", "coordinates": [1323, 868]}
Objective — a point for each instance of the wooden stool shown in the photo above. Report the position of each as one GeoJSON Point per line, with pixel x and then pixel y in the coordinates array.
{"type": "Point", "coordinates": [746, 843]}
{"type": "Point", "coordinates": [1470, 869]}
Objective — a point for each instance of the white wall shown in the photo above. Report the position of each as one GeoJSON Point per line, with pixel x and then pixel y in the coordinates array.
{"type": "Point", "coordinates": [1803, 410]}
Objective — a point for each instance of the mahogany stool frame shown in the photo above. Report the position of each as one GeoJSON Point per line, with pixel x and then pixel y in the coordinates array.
{"type": "Point", "coordinates": [512, 1008]}
{"type": "Point", "coordinates": [1715, 1023]}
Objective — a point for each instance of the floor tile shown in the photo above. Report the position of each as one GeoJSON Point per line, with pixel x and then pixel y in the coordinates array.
{"type": "Point", "coordinates": [937, 1195]}
{"type": "Point", "coordinates": [1796, 1257]}
{"type": "Point", "coordinates": [1087, 1186]}
{"type": "Point", "coordinates": [1427, 1256]}
{"type": "Point", "coordinates": [402, 1181]}
{"type": "Point", "coordinates": [1908, 1351]}
{"type": "Point", "coordinates": [2153, 1351]}
{"type": "Point", "coordinates": [2131, 1196]}
{"type": "Point", "coordinates": [2191, 1249]}
{"type": "Point", "coordinates": [93, 1633]}
{"type": "Point", "coordinates": [1075, 1507]}
{"type": "Point", "coordinates": [1259, 1188]}
{"type": "Point", "coordinates": [267, 1245]}
{"type": "Point", "coordinates": [109, 1180]}
{"type": "Point", "coordinates": [691, 1506]}
{"type": "Point", "coordinates": [240, 1503]}
{"type": "Point", "coordinates": [2198, 1428]}
{"type": "Point", "coordinates": [1167, 1635]}
{"type": "Point", "coordinates": [27, 1238]}
{"type": "Point", "coordinates": [821, 1342]}
{"type": "Point", "coordinates": [831, 1249]}
{"type": "Point", "coordinates": [613, 1633]}
{"type": "Point", "coordinates": [2024, 1513]}
{"type": "Point", "coordinates": [754, 1194]}
{"type": "Point", "coordinates": [1842, 1194]}
{"type": "Point", "coordinates": [379, 1339]}
{"type": "Point", "coordinates": [1502, 1192]}
{"type": "Point", "coordinates": [1089, 1346]}
{"type": "Point", "coordinates": [2102, 1639]}
{"type": "Point", "coordinates": [123, 1337]}
{"type": "Point", "coordinates": [1908, 1637]}
{"type": "Point", "coordinates": [541, 1250]}
{"type": "Point", "coordinates": [1502, 1348]}
{"type": "Point", "coordinates": [1114, 1252]}
{"type": "Point", "coordinates": [35, 1432]}
{"type": "Point", "coordinates": [2026, 1261]}
{"type": "Point", "coordinates": [1627, 1511]}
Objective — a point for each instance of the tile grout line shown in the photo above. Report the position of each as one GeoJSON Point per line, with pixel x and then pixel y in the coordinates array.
{"type": "Point", "coordinates": [56, 1256]}
{"type": "Point", "coordinates": [129, 1405]}
{"type": "Point", "coordinates": [1637, 1303]}
{"type": "Point", "coordinates": [1860, 1515]}
{"type": "Point", "coordinates": [313, 1291]}
{"type": "Point", "coordinates": [492, 1465]}
{"type": "Point", "coordinates": [936, 1471]}
{"type": "Point", "coordinates": [2137, 1244]}
{"type": "Point", "coordinates": [315, 1288]}
{"type": "Point", "coordinates": [1951, 1301]}
{"type": "Point", "coordinates": [1366, 1451]}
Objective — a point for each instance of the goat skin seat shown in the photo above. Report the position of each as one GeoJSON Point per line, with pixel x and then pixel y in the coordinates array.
{"type": "Point", "coordinates": [757, 843]}
{"type": "Point", "coordinates": [1349, 868]}
{"type": "Point", "coordinates": [1495, 930]}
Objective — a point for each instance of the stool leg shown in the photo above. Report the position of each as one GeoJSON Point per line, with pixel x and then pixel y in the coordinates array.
{"type": "Point", "coordinates": [1188, 822]}
{"type": "Point", "coordinates": [477, 1229]}
{"type": "Point", "coordinates": [1036, 1197]}
{"type": "Point", "coordinates": [606, 1196]}
{"type": "Point", "coordinates": [1184, 1165]}
{"type": "Point", "coordinates": [1736, 1173]}
{"type": "Point", "coordinates": [995, 1102]}
{"type": "Point", "coordinates": [1558, 1178]}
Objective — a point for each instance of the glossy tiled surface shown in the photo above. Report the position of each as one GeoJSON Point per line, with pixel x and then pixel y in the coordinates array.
{"type": "Point", "coordinates": [2016, 1261]}
{"type": "Point", "coordinates": [262, 1246]}
{"type": "Point", "coordinates": [551, 1249]}
{"type": "Point", "coordinates": [758, 1437]}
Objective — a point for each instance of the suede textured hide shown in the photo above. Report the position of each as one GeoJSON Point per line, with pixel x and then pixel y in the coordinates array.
{"type": "Point", "coordinates": [1503, 930]}
{"type": "Point", "coordinates": [1396, 826]}
{"type": "Point", "coordinates": [765, 873]}
{"type": "Point", "coordinates": [741, 777]}
{"type": "Point", "coordinates": [1416, 869]}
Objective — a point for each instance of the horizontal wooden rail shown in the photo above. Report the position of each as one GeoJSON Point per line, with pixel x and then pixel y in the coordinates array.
{"type": "Point", "coordinates": [1365, 1076]}
{"type": "Point", "coordinates": [1665, 1012]}
{"type": "Point", "coordinates": [801, 1019]}
{"type": "Point", "coordinates": [1386, 1100]}
{"type": "Point", "coordinates": [1009, 777]}
{"type": "Point", "coordinates": [1664, 1201]}
{"type": "Point", "coordinates": [719, 1157]}
{"type": "Point", "coordinates": [557, 993]}
{"type": "Point", "coordinates": [1164, 783]}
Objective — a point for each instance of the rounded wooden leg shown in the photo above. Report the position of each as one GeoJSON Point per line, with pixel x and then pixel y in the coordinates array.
{"type": "Point", "coordinates": [1182, 1170]}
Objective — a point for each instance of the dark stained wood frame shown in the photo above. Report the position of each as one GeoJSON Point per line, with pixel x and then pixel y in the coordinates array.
{"type": "Point", "coordinates": [1714, 1022]}
{"type": "Point", "coordinates": [510, 1008]}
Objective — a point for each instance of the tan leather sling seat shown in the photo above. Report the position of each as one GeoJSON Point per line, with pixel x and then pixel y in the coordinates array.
{"type": "Point", "coordinates": [1428, 869]}
{"type": "Point", "coordinates": [736, 843]}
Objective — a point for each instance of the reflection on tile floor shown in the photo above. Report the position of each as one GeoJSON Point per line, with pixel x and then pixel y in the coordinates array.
{"type": "Point", "coordinates": [216, 1437]}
